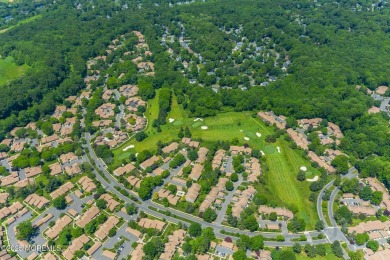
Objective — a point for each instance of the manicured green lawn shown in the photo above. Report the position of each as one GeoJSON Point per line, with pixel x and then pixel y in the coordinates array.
{"type": "Point", "coordinates": [176, 112]}
{"type": "Point", "coordinates": [178, 122]}
{"type": "Point", "coordinates": [152, 112]}
{"type": "Point", "coordinates": [269, 149]}
{"type": "Point", "coordinates": [309, 174]}
{"type": "Point", "coordinates": [9, 70]}
{"type": "Point", "coordinates": [329, 255]}
{"type": "Point", "coordinates": [197, 124]}
{"type": "Point", "coordinates": [222, 127]}
{"type": "Point", "coordinates": [281, 185]}
{"type": "Point", "coordinates": [250, 134]}
{"type": "Point", "coordinates": [227, 126]}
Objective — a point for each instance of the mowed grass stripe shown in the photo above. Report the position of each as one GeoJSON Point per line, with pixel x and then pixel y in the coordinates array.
{"type": "Point", "coordinates": [295, 161]}
{"type": "Point", "coordinates": [176, 112]}
{"type": "Point", "coordinates": [152, 111]}
{"type": "Point", "coordinates": [220, 120]}
{"type": "Point", "coordinates": [264, 130]}
{"type": "Point", "coordinates": [281, 182]}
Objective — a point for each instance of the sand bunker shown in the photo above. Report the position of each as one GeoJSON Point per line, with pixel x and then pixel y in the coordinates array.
{"type": "Point", "coordinates": [303, 168]}
{"type": "Point", "coordinates": [262, 153]}
{"type": "Point", "coordinates": [314, 179]}
{"type": "Point", "coordinates": [278, 149]}
{"type": "Point", "coordinates": [246, 138]}
{"type": "Point", "coordinates": [128, 147]}
{"type": "Point", "coordinates": [204, 127]}
{"type": "Point", "coordinates": [198, 119]}
{"type": "Point", "coordinates": [258, 134]}
{"type": "Point", "coordinates": [171, 120]}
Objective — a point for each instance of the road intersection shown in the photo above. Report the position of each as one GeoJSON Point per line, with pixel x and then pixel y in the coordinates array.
{"type": "Point", "coordinates": [332, 233]}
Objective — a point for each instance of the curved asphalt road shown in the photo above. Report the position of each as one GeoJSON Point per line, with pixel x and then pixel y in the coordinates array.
{"type": "Point", "coordinates": [144, 206]}
{"type": "Point", "coordinates": [333, 232]}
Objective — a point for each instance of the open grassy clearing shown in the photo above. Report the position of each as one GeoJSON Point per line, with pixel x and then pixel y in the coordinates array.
{"type": "Point", "coordinates": [9, 70]}
{"type": "Point", "coordinates": [329, 255]}
{"type": "Point", "coordinates": [281, 186]}
{"type": "Point", "coordinates": [30, 19]}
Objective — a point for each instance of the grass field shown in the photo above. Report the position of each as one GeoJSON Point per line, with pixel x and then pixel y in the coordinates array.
{"type": "Point", "coordinates": [281, 185]}
{"type": "Point", "coordinates": [222, 127]}
{"type": "Point", "coordinates": [9, 70]}
{"type": "Point", "coordinates": [329, 255]}
{"type": "Point", "coordinates": [30, 19]}
{"type": "Point", "coordinates": [281, 181]}
{"type": "Point", "coordinates": [177, 112]}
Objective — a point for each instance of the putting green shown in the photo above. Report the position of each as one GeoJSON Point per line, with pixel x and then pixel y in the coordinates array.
{"type": "Point", "coordinates": [309, 174]}
{"type": "Point", "coordinates": [197, 124]}
{"type": "Point", "coordinates": [250, 134]}
{"type": "Point", "coordinates": [269, 149]}
{"type": "Point", "coordinates": [178, 122]}
{"type": "Point", "coordinates": [124, 155]}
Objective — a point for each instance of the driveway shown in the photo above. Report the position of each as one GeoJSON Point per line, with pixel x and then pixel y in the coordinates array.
{"type": "Point", "coordinates": [110, 243]}
{"type": "Point", "coordinates": [12, 235]}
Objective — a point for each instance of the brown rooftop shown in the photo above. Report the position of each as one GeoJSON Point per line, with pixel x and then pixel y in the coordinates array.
{"type": "Point", "coordinates": [36, 200]}
{"type": "Point", "coordinates": [196, 172]}
{"type": "Point", "coordinates": [170, 148]}
{"type": "Point", "coordinates": [68, 157]}
{"type": "Point", "coordinates": [124, 169]}
{"type": "Point", "coordinates": [149, 223]}
{"type": "Point", "coordinates": [271, 118]}
{"type": "Point", "coordinates": [149, 162]}
{"type": "Point", "coordinates": [87, 216]}
{"type": "Point", "coordinates": [55, 169]}
{"type": "Point", "coordinates": [279, 211]}
{"type": "Point", "coordinates": [193, 193]}
{"type": "Point", "coordinates": [32, 171]}
{"type": "Point", "coordinates": [87, 184]}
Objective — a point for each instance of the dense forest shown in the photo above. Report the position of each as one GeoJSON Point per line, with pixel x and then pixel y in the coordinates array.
{"type": "Point", "coordinates": [302, 59]}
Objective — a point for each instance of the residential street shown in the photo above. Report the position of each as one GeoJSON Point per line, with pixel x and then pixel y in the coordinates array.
{"type": "Point", "coordinates": [145, 206]}
{"type": "Point", "coordinates": [11, 233]}
{"type": "Point", "coordinates": [334, 232]}
{"type": "Point", "coordinates": [228, 198]}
